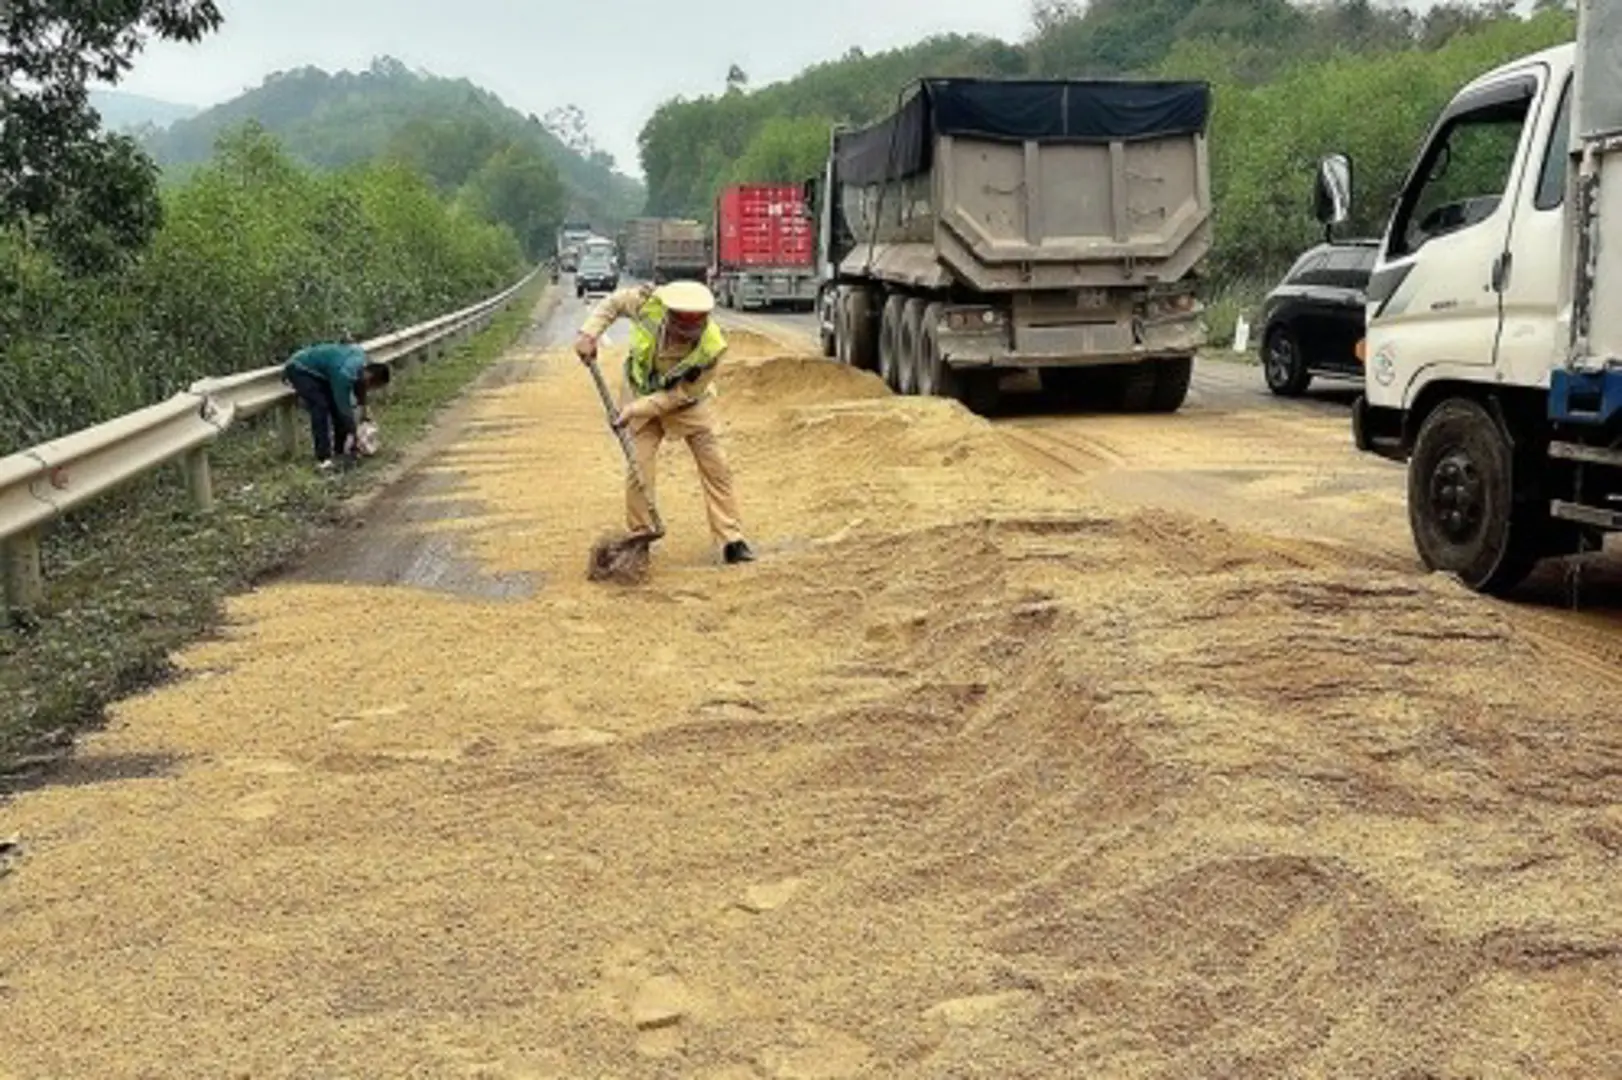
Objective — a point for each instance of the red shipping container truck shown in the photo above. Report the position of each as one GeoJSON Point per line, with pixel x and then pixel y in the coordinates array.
{"type": "Point", "coordinates": [765, 248]}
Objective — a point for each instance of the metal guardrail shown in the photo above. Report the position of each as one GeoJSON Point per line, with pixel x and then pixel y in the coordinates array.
{"type": "Point", "coordinates": [45, 481]}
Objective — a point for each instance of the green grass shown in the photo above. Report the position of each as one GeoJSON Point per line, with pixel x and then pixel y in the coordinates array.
{"type": "Point", "coordinates": [141, 574]}
{"type": "Point", "coordinates": [1225, 304]}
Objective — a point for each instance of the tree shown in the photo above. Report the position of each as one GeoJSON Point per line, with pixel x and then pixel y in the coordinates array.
{"type": "Point", "coordinates": [737, 80]}
{"type": "Point", "coordinates": [519, 188]}
{"type": "Point", "coordinates": [786, 150]}
{"type": "Point", "coordinates": [689, 147]}
{"type": "Point", "coordinates": [91, 193]}
{"type": "Point", "coordinates": [1049, 15]}
{"type": "Point", "coordinates": [568, 123]}
{"type": "Point", "coordinates": [446, 151]}
{"type": "Point", "coordinates": [445, 128]}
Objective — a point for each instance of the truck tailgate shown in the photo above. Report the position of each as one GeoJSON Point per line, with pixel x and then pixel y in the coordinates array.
{"type": "Point", "coordinates": [1074, 202]}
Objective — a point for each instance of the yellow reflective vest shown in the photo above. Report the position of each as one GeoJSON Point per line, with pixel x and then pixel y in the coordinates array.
{"type": "Point", "coordinates": [641, 363]}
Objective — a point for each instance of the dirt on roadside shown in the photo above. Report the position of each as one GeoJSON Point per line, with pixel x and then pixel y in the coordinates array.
{"type": "Point", "coordinates": [971, 776]}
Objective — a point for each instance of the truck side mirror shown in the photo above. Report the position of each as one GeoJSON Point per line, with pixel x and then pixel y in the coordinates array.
{"type": "Point", "coordinates": [808, 190]}
{"type": "Point", "coordinates": [1332, 197]}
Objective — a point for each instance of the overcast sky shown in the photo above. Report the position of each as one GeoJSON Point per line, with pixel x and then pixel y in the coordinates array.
{"type": "Point", "coordinates": [616, 60]}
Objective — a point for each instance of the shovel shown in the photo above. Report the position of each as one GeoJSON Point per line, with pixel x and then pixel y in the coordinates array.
{"type": "Point", "coordinates": [622, 558]}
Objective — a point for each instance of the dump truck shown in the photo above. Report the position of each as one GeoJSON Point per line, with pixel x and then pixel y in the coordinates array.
{"type": "Point", "coordinates": [1493, 354]}
{"type": "Point", "coordinates": [763, 247]}
{"type": "Point", "coordinates": [571, 235]}
{"type": "Point", "coordinates": [667, 249]}
{"type": "Point", "coordinates": [991, 226]}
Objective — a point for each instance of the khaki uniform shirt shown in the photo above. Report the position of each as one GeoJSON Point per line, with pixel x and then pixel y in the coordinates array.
{"type": "Point", "coordinates": [625, 303]}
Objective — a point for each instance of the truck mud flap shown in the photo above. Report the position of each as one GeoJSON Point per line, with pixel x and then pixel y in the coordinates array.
{"type": "Point", "coordinates": [1377, 431]}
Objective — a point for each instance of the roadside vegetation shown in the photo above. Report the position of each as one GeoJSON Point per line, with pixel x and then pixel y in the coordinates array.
{"type": "Point", "coordinates": [255, 257]}
{"type": "Point", "coordinates": [1291, 82]}
{"type": "Point", "coordinates": [142, 573]}
{"type": "Point", "coordinates": [120, 286]}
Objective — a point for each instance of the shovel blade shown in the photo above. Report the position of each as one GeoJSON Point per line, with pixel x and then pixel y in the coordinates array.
{"type": "Point", "coordinates": [623, 559]}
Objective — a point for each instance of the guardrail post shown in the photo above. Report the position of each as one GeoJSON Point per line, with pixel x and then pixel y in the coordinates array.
{"type": "Point", "coordinates": [287, 428]}
{"type": "Point", "coordinates": [19, 566]}
{"type": "Point", "coordinates": [199, 480]}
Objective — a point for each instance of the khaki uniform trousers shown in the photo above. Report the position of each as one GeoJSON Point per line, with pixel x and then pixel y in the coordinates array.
{"type": "Point", "coordinates": [695, 424]}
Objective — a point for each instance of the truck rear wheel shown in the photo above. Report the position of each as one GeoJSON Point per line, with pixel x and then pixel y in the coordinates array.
{"type": "Point", "coordinates": [1172, 376]}
{"type": "Point", "coordinates": [857, 343]}
{"type": "Point", "coordinates": [827, 322]}
{"type": "Point", "coordinates": [1466, 514]}
{"type": "Point", "coordinates": [1137, 388]}
{"type": "Point", "coordinates": [890, 342]}
{"type": "Point", "coordinates": [910, 350]}
{"type": "Point", "coordinates": [979, 391]}
{"type": "Point", "coordinates": [842, 334]}
{"type": "Point", "coordinates": [935, 379]}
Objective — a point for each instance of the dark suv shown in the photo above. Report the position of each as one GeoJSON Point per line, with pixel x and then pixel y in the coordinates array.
{"type": "Point", "coordinates": [1312, 321]}
{"type": "Point", "coordinates": [597, 272]}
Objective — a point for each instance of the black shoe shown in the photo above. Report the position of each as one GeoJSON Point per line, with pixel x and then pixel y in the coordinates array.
{"type": "Point", "coordinates": [738, 551]}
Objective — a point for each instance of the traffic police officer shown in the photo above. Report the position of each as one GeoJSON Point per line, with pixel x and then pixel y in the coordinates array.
{"type": "Point", "coordinates": [669, 381]}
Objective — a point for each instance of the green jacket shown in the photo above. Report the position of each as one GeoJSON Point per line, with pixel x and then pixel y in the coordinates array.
{"type": "Point", "coordinates": [340, 365]}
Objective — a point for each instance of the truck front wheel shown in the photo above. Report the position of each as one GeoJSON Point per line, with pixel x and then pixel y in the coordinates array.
{"type": "Point", "coordinates": [1464, 509]}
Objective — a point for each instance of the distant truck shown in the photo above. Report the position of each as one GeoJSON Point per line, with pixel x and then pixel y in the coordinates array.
{"type": "Point", "coordinates": [600, 246]}
{"type": "Point", "coordinates": [667, 249]}
{"type": "Point", "coordinates": [992, 226]}
{"type": "Point", "coordinates": [1493, 357]}
{"type": "Point", "coordinates": [571, 235]}
{"type": "Point", "coordinates": [598, 270]}
{"type": "Point", "coordinates": [764, 247]}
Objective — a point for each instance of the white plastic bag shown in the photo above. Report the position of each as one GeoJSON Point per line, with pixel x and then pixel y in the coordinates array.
{"type": "Point", "coordinates": [367, 441]}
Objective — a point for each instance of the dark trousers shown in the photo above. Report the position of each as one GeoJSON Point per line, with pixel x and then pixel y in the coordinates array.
{"type": "Point", "coordinates": [326, 422]}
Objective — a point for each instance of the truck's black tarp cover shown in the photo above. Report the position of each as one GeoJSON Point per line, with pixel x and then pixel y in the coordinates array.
{"type": "Point", "coordinates": [1068, 111]}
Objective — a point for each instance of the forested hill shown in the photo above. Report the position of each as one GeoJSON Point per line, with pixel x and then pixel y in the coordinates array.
{"type": "Point", "coordinates": [337, 119]}
{"type": "Point", "coordinates": [1292, 81]}
{"type": "Point", "coordinates": [121, 111]}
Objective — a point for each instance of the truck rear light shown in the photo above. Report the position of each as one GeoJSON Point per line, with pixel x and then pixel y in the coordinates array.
{"type": "Point", "coordinates": [974, 320]}
{"type": "Point", "coordinates": [1169, 304]}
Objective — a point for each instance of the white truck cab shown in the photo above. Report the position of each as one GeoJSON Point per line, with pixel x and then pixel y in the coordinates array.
{"type": "Point", "coordinates": [1481, 366]}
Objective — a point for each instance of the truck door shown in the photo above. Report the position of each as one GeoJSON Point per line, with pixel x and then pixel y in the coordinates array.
{"type": "Point", "coordinates": [1434, 300]}
{"type": "Point", "coordinates": [1533, 339]}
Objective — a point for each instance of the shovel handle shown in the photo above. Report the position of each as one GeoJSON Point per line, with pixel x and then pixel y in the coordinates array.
{"type": "Point", "coordinates": [625, 443]}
